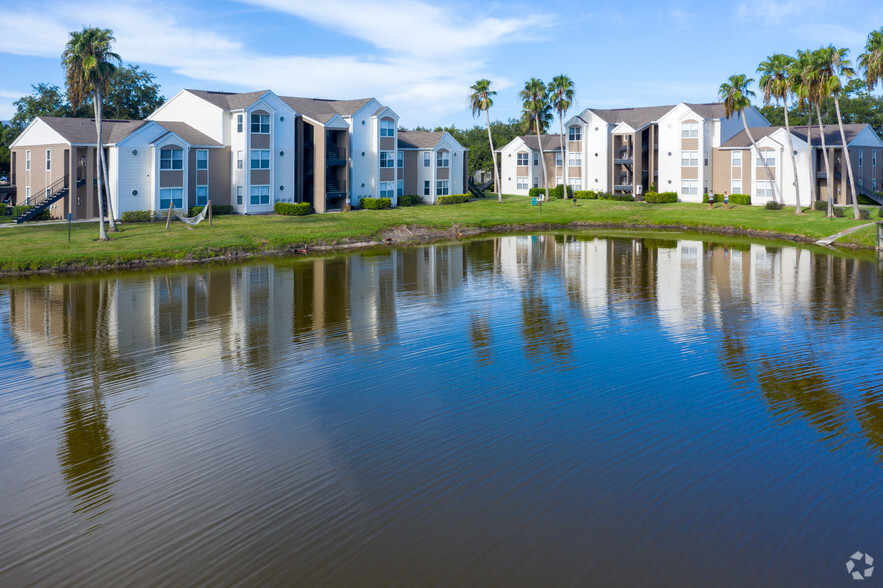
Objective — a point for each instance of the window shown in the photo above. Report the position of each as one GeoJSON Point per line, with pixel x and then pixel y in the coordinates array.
{"type": "Point", "coordinates": [238, 123]}
{"type": "Point", "coordinates": [260, 195]}
{"type": "Point", "coordinates": [559, 160]}
{"type": "Point", "coordinates": [260, 123]}
{"type": "Point", "coordinates": [536, 182]}
{"type": "Point", "coordinates": [764, 189]}
{"type": "Point", "coordinates": [201, 159]}
{"type": "Point", "coordinates": [874, 184]}
{"type": "Point", "coordinates": [689, 187]}
{"type": "Point", "coordinates": [536, 159]}
{"type": "Point", "coordinates": [575, 183]}
{"type": "Point", "coordinates": [239, 160]}
{"type": "Point", "coordinates": [386, 159]}
{"type": "Point", "coordinates": [521, 182]}
{"type": "Point", "coordinates": [171, 159]}
{"type": "Point", "coordinates": [400, 188]}
{"type": "Point", "coordinates": [441, 159]}
{"type": "Point", "coordinates": [387, 189]}
{"type": "Point", "coordinates": [737, 159]}
{"type": "Point", "coordinates": [239, 195]}
{"type": "Point", "coordinates": [690, 130]}
{"type": "Point", "coordinates": [201, 195]}
{"type": "Point", "coordinates": [387, 127]}
{"type": "Point", "coordinates": [559, 180]}
{"type": "Point", "coordinates": [260, 159]}
{"type": "Point", "coordinates": [575, 159]}
{"type": "Point", "coordinates": [427, 158]}
{"type": "Point", "coordinates": [874, 158]}
{"type": "Point", "coordinates": [860, 183]}
{"type": "Point", "coordinates": [706, 159]}
{"type": "Point", "coordinates": [768, 155]}
{"type": "Point", "coordinates": [861, 157]}
{"type": "Point", "coordinates": [171, 197]}
{"type": "Point", "coordinates": [27, 194]}
{"type": "Point", "coordinates": [400, 159]}
{"type": "Point", "coordinates": [27, 160]}
{"type": "Point", "coordinates": [689, 158]}
{"type": "Point", "coordinates": [574, 134]}
{"type": "Point", "coordinates": [441, 188]}
{"type": "Point", "coordinates": [522, 159]}
{"type": "Point", "coordinates": [48, 160]}
{"type": "Point", "coordinates": [427, 187]}
{"type": "Point", "coordinates": [737, 186]}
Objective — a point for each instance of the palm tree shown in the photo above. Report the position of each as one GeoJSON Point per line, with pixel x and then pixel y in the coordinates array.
{"type": "Point", "coordinates": [535, 101]}
{"type": "Point", "coordinates": [88, 69]}
{"type": "Point", "coordinates": [561, 92]}
{"type": "Point", "coordinates": [871, 61]}
{"type": "Point", "coordinates": [734, 93]}
{"type": "Point", "coordinates": [812, 87]}
{"type": "Point", "coordinates": [833, 64]}
{"type": "Point", "coordinates": [776, 82]}
{"type": "Point", "coordinates": [481, 99]}
{"type": "Point", "coordinates": [801, 84]}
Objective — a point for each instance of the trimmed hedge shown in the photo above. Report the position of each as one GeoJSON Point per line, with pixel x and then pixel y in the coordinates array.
{"type": "Point", "coordinates": [663, 198]}
{"type": "Point", "coordinates": [411, 200]}
{"type": "Point", "coordinates": [17, 210]}
{"type": "Point", "coordinates": [742, 199]}
{"type": "Point", "coordinates": [452, 199]}
{"type": "Point", "coordinates": [558, 192]}
{"type": "Point", "coordinates": [290, 208]}
{"type": "Point", "coordinates": [585, 195]}
{"type": "Point", "coordinates": [536, 192]}
{"type": "Point", "coordinates": [138, 216]}
{"type": "Point", "coordinates": [217, 209]}
{"type": "Point", "coordinates": [617, 197]}
{"type": "Point", "coordinates": [375, 203]}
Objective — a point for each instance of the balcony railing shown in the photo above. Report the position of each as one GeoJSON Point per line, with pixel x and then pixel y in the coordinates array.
{"type": "Point", "coordinates": [335, 187]}
{"type": "Point", "coordinates": [335, 155]}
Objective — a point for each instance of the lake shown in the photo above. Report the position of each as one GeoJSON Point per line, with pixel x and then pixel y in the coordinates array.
{"type": "Point", "coordinates": [523, 410]}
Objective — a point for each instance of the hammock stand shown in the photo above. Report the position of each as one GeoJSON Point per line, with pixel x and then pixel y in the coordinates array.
{"type": "Point", "coordinates": [192, 221]}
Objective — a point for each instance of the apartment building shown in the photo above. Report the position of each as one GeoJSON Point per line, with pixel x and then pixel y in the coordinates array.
{"type": "Point", "coordinates": [521, 168]}
{"type": "Point", "coordinates": [431, 164]}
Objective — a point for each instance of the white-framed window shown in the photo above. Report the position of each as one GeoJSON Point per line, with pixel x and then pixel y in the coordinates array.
{"type": "Point", "coordinates": [536, 159]}
{"type": "Point", "coordinates": [260, 195]}
{"type": "Point", "coordinates": [427, 160]}
{"type": "Point", "coordinates": [522, 183]}
{"type": "Point", "coordinates": [764, 189]}
{"type": "Point", "coordinates": [737, 159]}
{"type": "Point", "coordinates": [387, 127]}
{"type": "Point", "coordinates": [536, 182]}
{"type": "Point", "coordinates": [575, 159]}
{"type": "Point", "coordinates": [48, 160]}
{"type": "Point", "coordinates": [442, 159]}
{"type": "Point", "coordinates": [171, 159]}
{"type": "Point", "coordinates": [574, 133]}
{"type": "Point", "coordinates": [171, 197]}
{"type": "Point", "coordinates": [689, 159]}
{"type": "Point", "coordinates": [575, 183]}
{"type": "Point", "coordinates": [202, 159]}
{"type": "Point", "coordinates": [27, 194]}
{"type": "Point", "coordinates": [689, 187]}
{"type": "Point", "coordinates": [239, 160]}
{"type": "Point", "coordinates": [861, 157]}
{"type": "Point", "coordinates": [690, 130]}
{"type": "Point", "coordinates": [27, 160]}
{"type": "Point", "coordinates": [201, 195]}
{"type": "Point", "coordinates": [239, 195]}
{"type": "Point", "coordinates": [400, 159]}
{"type": "Point", "coordinates": [387, 189]}
{"type": "Point", "coordinates": [521, 158]}
{"type": "Point", "coordinates": [260, 159]}
{"type": "Point", "coordinates": [736, 186]}
{"type": "Point", "coordinates": [387, 159]}
{"type": "Point", "coordinates": [260, 124]}
{"type": "Point", "coordinates": [427, 187]}
{"type": "Point", "coordinates": [239, 123]}
{"type": "Point", "coordinates": [874, 158]}
{"type": "Point", "coordinates": [860, 181]}
{"type": "Point", "coordinates": [767, 155]}
{"type": "Point", "coordinates": [400, 187]}
{"type": "Point", "coordinates": [559, 180]}
{"type": "Point", "coordinates": [441, 187]}
{"type": "Point", "coordinates": [559, 160]}
{"type": "Point", "coordinates": [706, 159]}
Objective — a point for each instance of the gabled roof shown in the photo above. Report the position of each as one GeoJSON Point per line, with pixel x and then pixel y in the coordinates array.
{"type": "Point", "coordinates": [229, 100]}
{"type": "Point", "coordinates": [832, 135]}
{"type": "Point", "coordinates": [189, 134]}
{"type": "Point", "coordinates": [550, 142]}
{"type": "Point", "coordinates": [637, 118]}
{"type": "Point", "coordinates": [708, 109]}
{"type": "Point", "coordinates": [81, 131]}
{"type": "Point", "coordinates": [420, 139]}
{"type": "Point", "coordinates": [321, 110]}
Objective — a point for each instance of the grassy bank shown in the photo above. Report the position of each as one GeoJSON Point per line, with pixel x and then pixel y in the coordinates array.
{"type": "Point", "coordinates": [46, 247]}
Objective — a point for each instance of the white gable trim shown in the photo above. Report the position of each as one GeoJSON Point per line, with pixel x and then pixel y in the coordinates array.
{"type": "Point", "coordinates": [38, 128]}
{"type": "Point", "coordinates": [866, 138]}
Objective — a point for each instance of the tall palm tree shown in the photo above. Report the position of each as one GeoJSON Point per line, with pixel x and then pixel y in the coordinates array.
{"type": "Point", "coordinates": [776, 82]}
{"type": "Point", "coordinates": [87, 62]}
{"type": "Point", "coordinates": [535, 101]}
{"type": "Point", "coordinates": [813, 87]}
{"type": "Point", "coordinates": [801, 84]}
{"type": "Point", "coordinates": [561, 92]}
{"type": "Point", "coordinates": [871, 61]}
{"type": "Point", "coordinates": [833, 64]}
{"type": "Point", "coordinates": [482, 99]}
{"type": "Point", "coordinates": [736, 96]}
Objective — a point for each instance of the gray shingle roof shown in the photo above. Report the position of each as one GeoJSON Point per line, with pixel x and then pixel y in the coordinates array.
{"type": "Point", "coordinates": [832, 135]}
{"type": "Point", "coordinates": [708, 110]}
{"type": "Point", "coordinates": [634, 117]}
{"type": "Point", "coordinates": [229, 100]}
{"type": "Point", "coordinates": [189, 134]}
{"type": "Point", "coordinates": [419, 139]}
{"type": "Point", "coordinates": [82, 130]}
{"type": "Point", "coordinates": [322, 110]}
{"type": "Point", "coordinates": [550, 142]}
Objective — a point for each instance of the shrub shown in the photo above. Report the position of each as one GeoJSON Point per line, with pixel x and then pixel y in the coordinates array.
{"type": "Point", "coordinates": [3, 208]}
{"type": "Point", "coordinates": [585, 195]}
{"type": "Point", "coordinates": [452, 199]}
{"type": "Point", "coordinates": [617, 197]}
{"type": "Point", "coordinates": [772, 205]}
{"type": "Point", "coordinates": [742, 199]}
{"type": "Point", "coordinates": [17, 210]}
{"type": "Point", "coordinates": [558, 192]}
{"type": "Point", "coordinates": [663, 198]}
{"type": "Point", "coordinates": [880, 212]}
{"type": "Point", "coordinates": [536, 192]}
{"type": "Point", "coordinates": [217, 209]}
{"type": "Point", "coordinates": [290, 208]}
{"type": "Point", "coordinates": [375, 203]}
{"type": "Point", "coordinates": [138, 216]}
{"type": "Point", "coordinates": [411, 200]}
{"type": "Point", "coordinates": [864, 214]}
{"type": "Point", "coordinates": [838, 212]}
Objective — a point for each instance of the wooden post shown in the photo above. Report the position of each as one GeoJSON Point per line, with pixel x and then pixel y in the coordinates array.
{"type": "Point", "coordinates": [209, 204]}
{"type": "Point", "coordinates": [169, 218]}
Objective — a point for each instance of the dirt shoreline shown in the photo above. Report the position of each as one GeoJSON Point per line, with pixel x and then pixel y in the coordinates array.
{"type": "Point", "coordinates": [405, 235]}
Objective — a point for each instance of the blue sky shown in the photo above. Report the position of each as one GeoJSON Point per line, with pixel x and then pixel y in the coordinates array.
{"type": "Point", "coordinates": [421, 57]}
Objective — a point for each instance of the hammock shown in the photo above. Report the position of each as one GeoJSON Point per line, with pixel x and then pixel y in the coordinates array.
{"type": "Point", "coordinates": [190, 220]}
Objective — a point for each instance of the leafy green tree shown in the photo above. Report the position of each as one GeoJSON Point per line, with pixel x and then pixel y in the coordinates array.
{"type": "Point", "coordinates": [44, 100]}
{"type": "Point", "coordinates": [481, 99]}
{"type": "Point", "coordinates": [561, 92]}
{"type": "Point", "coordinates": [775, 80]}
{"type": "Point", "coordinates": [535, 101]}
{"type": "Point", "coordinates": [871, 61]}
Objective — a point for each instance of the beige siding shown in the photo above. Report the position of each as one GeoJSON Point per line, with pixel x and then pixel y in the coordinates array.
{"type": "Point", "coordinates": [412, 160]}
{"type": "Point", "coordinates": [387, 175]}
{"type": "Point", "coordinates": [690, 144]}
{"type": "Point", "coordinates": [171, 179]}
{"type": "Point", "coordinates": [387, 143]}
{"type": "Point", "coordinates": [690, 173]}
{"type": "Point", "coordinates": [260, 177]}
{"type": "Point", "coordinates": [219, 188]}
{"type": "Point", "coordinates": [443, 173]}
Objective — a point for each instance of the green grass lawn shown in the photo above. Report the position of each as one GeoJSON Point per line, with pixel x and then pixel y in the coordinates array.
{"type": "Point", "coordinates": [46, 247]}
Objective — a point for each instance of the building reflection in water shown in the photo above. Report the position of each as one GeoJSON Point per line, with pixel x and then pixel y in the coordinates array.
{"type": "Point", "coordinates": [111, 333]}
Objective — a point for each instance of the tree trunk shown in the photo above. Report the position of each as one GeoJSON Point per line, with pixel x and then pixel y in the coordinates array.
{"type": "Point", "coordinates": [563, 154]}
{"type": "Point", "coordinates": [829, 177]}
{"type": "Point", "coordinates": [813, 191]}
{"type": "Point", "coordinates": [102, 232]}
{"type": "Point", "coordinates": [490, 140]}
{"type": "Point", "coordinates": [769, 174]}
{"type": "Point", "coordinates": [797, 209]}
{"type": "Point", "coordinates": [110, 216]}
{"type": "Point", "coordinates": [855, 211]}
{"type": "Point", "coordinates": [542, 158]}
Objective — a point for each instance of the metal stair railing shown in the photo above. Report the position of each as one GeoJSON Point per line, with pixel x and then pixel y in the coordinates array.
{"type": "Point", "coordinates": [53, 193]}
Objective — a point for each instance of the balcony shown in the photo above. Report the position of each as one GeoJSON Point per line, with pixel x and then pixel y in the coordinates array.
{"type": "Point", "coordinates": [335, 188]}
{"type": "Point", "coordinates": [622, 187]}
{"type": "Point", "coordinates": [335, 155]}
{"type": "Point", "coordinates": [623, 160]}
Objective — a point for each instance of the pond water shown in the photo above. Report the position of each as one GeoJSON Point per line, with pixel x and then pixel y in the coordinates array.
{"type": "Point", "coordinates": [539, 410]}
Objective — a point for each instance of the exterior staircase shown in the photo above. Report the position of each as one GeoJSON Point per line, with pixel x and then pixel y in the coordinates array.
{"type": "Point", "coordinates": [478, 190]}
{"type": "Point", "coordinates": [52, 194]}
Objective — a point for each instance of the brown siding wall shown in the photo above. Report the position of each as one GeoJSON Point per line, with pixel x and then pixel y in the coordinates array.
{"type": "Point", "coordinates": [387, 143]}
{"type": "Point", "coordinates": [259, 141]}
{"type": "Point", "coordinates": [411, 162]}
{"type": "Point", "coordinates": [443, 173]}
{"type": "Point", "coordinates": [722, 171]}
{"type": "Point", "coordinates": [219, 187]}
{"type": "Point", "coordinates": [690, 173]}
{"type": "Point", "coordinates": [574, 146]}
{"type": "Point", "coordinates": [260, 177]}
{"type": "Point", "coordinates": [387, 175]}
{"type": "Point", "coordinates": [171, 179]}
{"type": "Point", "coordinates": [690, 144]}
{"type": "Point", "coordinates": [319, 169]}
